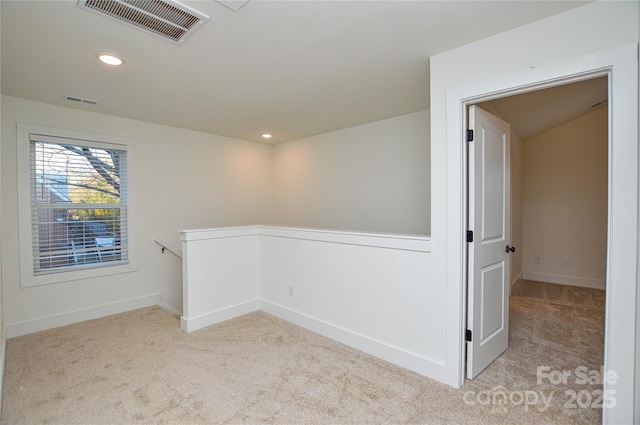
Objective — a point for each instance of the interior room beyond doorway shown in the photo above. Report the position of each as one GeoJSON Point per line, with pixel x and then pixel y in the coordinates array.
{"type": "Point", "coordinates": [559, 166]}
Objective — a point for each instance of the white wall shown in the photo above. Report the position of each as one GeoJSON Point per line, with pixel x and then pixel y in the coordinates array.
{"type": "Point", "coordinates": [185, 179]}
{"type": "Point", "coordinates": [373, 177]}
{"type": "Point", "coordinates": [500, 61]}
{"type": "Point", "coordinates": [371, 291]}
{"type": "Point", "coordinates": [221, 279]}
{"type": "Point", "coordinates": [565, 202]}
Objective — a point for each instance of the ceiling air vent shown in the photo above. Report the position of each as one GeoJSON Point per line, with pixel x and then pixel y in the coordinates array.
{"type": "Point", "coordinates": [81, 100]}
{"type": "Point", "coordinates": [163, 18]}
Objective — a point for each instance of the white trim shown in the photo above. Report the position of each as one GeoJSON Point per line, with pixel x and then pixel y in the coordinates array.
{"type": "Point", "coordinates": [217, 233]}
{"type": "Point", "coordinates": [380, 240]}
{"type": "Point", "coordinates": [516, 279]}
{"type": "Point", "coordinates": [566, 280]}
{"type": "Point", "coordinates": [99, 141]}
{"type": "Point", "coordinates": [172, 311]}
{"type": "Point", "coordinates": [68, 318]}
{"type": "Point", "coordinates": [228, 313]}
{"type": "Point", "coordinates": [379, 349]}
{"type": "Point", "coordinates": [622, 66]}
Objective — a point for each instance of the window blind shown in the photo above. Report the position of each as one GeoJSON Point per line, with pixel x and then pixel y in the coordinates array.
{"type": "Point", "coordinates": [78, 204]}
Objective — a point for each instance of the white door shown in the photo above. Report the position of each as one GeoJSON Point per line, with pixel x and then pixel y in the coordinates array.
{"type": "Point", "coordinates": [488, 268]}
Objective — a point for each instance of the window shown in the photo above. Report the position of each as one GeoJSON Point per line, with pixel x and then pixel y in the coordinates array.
{"type": "Point", "coordinates": [75, 217]}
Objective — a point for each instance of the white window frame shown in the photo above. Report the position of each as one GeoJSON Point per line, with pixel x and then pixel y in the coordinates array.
{"type": "Point", "coordinates": [27, 276]}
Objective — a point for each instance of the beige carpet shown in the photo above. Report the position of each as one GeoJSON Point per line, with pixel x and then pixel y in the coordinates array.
{"type": "Point", "coordinates": [140, 368]}
{"type": "Point", "coordinates": [561, 294]}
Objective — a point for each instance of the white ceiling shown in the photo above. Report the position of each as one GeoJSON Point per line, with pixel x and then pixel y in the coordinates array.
{"type": "Point", "coordinates": [293, 68]}
{"type": "Point", "coordinates": [535, 112]}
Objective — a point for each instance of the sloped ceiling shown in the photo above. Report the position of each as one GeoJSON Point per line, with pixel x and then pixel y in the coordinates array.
{"type": "Point", "coordinates": [536, 112]}
{"type": "Point", "coordinates": [293, 68]}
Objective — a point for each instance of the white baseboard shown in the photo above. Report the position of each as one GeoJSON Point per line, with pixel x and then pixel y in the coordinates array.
{"type": "Point", "coordinates": [172, 311]}
{"type": "Point", "coordinates": [50, 322]}
{"type": "Point", "coordinates": [199, 322]}
{"type": "Point", "coordinates": [565, 280]}
{"type": "Point", "coordinates": [517, 278]}
{"type": "Point", "coordinates": [395, 355]}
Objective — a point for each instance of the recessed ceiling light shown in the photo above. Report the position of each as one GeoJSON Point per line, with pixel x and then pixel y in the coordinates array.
{"type": "Point", "coordinates": [110, 59]}
{"type": "Point", "coordinates": [267, 135]}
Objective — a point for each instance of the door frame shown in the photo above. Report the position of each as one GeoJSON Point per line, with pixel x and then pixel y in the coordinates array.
{"type": "Point", "coordinates": [621, 66]}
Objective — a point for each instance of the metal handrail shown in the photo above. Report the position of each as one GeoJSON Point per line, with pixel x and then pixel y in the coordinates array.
{"type": "Point", "coordinates": [165, 247]}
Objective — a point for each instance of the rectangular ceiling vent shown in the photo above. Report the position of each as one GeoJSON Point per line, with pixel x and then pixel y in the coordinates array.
{"type": "Point", "coordinates": [81, 100]}
{"type": "Point", "coordinates": [163, 18]}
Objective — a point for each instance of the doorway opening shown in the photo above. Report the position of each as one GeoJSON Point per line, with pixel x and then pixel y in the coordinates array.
{"type": "Point", "coordinates": [556, 186]}
{"type": "Point", "coordinates": [621, 67]}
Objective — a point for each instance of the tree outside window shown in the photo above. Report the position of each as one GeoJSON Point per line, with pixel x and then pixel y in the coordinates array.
{"type": "Point", "coordinates": [78, 205]}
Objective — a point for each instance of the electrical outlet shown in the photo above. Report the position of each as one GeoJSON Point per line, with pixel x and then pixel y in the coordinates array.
{"type": "Point", "coordinates": [537, 260]}
{"type": "Point", "coordinates": [292, 291]}
{"type": "Point", "coordinates": [566, 262]}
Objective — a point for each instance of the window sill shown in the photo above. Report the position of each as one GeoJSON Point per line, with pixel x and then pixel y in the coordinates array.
{"type": "Point", "coordinates": [71, 275]}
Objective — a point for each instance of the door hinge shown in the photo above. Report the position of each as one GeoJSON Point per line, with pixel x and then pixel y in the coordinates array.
{"type": "Point", "coordinates": [467, 335]}
{"type": "Point", "coordinates": [469, 235]}
{"type": "Point", "coordinates": [469, 135]}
